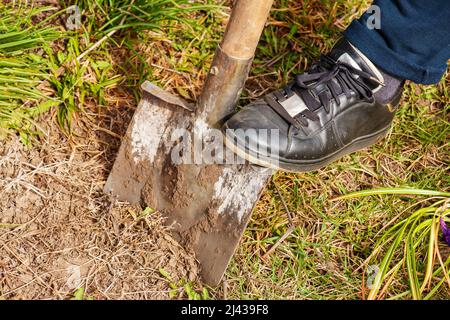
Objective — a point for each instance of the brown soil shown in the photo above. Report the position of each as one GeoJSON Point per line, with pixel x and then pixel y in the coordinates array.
{"type": "Point", "coordinates": [58, 231]}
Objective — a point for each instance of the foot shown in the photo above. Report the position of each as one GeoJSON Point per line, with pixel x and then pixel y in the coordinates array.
{"type": "Point", "coordinates": [341, 104]}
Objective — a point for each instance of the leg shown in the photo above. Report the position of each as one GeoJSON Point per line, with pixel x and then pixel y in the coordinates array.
{"type": "Point", "coordinates": [413, 42]}
{"type": "Point", "coordinates": [347, 100]}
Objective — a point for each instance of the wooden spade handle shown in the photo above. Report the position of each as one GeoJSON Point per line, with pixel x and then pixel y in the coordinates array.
{"type": "Point", "coordinates": [245, 27]}
{"type": "Point", "coordinates": [232, 61]}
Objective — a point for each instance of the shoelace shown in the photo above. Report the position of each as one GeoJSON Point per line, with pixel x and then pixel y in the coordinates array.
{"type": "Point", "coordinates": [322, 73]}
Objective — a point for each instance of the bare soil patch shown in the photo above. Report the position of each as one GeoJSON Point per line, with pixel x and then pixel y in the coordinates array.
{"type": "Point", "coordinates": [58, 231]}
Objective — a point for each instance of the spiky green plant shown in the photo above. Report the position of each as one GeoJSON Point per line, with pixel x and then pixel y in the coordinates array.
{"type": "Point", "coordinates": [416, 240]}
{"type": "Point", "coordinates": [106, 23]}
{"type": "Point", "coordinates": [136, 15]}
{"type": "Point", "coordinates": [29, 64]}
{"type": "Point", "coordinates": [23, 68]}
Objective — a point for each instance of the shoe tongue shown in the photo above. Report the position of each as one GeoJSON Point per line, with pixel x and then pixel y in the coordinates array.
{"type": "Point", "coordinates": [344, 52]}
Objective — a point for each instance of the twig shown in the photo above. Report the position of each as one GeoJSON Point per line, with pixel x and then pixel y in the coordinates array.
{"type": "Point", "coordinates": [95, 45]}
{"type": "Point", "coordinates": [225, 289]}
{"type": "Point", "coordinates": [289, 214]}
{"type": "Point", "coordinates": [283, 237]}
{"type": "Point", "coordinates": [99, 42]}
{"type": "Point", "coordinates": [167, 69]}
{"type": "Point", "coordinates": [288, 231]}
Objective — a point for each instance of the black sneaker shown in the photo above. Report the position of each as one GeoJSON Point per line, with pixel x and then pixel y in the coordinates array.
{"type": "Point", "coordinates": [343, 103]}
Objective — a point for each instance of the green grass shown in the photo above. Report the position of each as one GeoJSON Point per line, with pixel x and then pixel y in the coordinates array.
{"type": "Point", "coordinates": [326, 255]}
{"type": "Point", "coordinates": [23, 70]}
{"type": "Point", "coordinates": [412, 242]}
{"type": "Point", "coordinates": [78, 67]}
{"type": "Point", "coordinates": [109, 26]}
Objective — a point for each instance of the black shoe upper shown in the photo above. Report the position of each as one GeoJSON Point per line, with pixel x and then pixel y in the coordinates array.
{"type": "Point", "coordinates": [340, 99]}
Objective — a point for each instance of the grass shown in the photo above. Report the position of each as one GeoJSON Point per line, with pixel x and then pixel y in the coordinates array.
{"type": "Point", "coordinates": [171, 43]}
{"type": "Point", "coordinates": [419, 235]}
{"type": "Point", "coordinates": [22, 70]}
{"type": "Point", "coordinates": [78, 70]}
{"type": "Point", "coordinates": [131, 25]}
{"type": "Point", "coordinates": [325, 256]}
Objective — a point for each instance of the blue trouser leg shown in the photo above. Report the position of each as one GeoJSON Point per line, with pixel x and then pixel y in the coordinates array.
{"type": "Point", "coordinates": [413, 41]}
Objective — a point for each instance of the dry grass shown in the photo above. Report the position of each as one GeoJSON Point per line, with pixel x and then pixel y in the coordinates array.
{"type": "Point", "coordinates": [59, 232]}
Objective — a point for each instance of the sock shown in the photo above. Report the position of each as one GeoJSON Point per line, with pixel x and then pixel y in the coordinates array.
{"type": "Point", "coordinates": [344, 51]}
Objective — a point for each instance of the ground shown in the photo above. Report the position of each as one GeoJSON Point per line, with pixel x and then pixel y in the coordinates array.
{"type": "Point", "coordinates": [59, 232]}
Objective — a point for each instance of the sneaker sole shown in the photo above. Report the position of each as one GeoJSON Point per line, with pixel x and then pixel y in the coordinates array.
{"type": "Point", "coordinates": [297, 166]}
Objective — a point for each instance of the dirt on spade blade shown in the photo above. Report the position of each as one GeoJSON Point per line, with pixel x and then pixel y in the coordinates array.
{"type": "Point", "coordinates": [59, 232]}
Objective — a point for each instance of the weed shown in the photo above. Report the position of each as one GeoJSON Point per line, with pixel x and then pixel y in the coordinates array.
{"type": "Point", "coordinates": [23, 69]}
{"type": "Point", "coordinates": [80, 294]}
{"type": "Point", "coordinates": [412, 242]}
